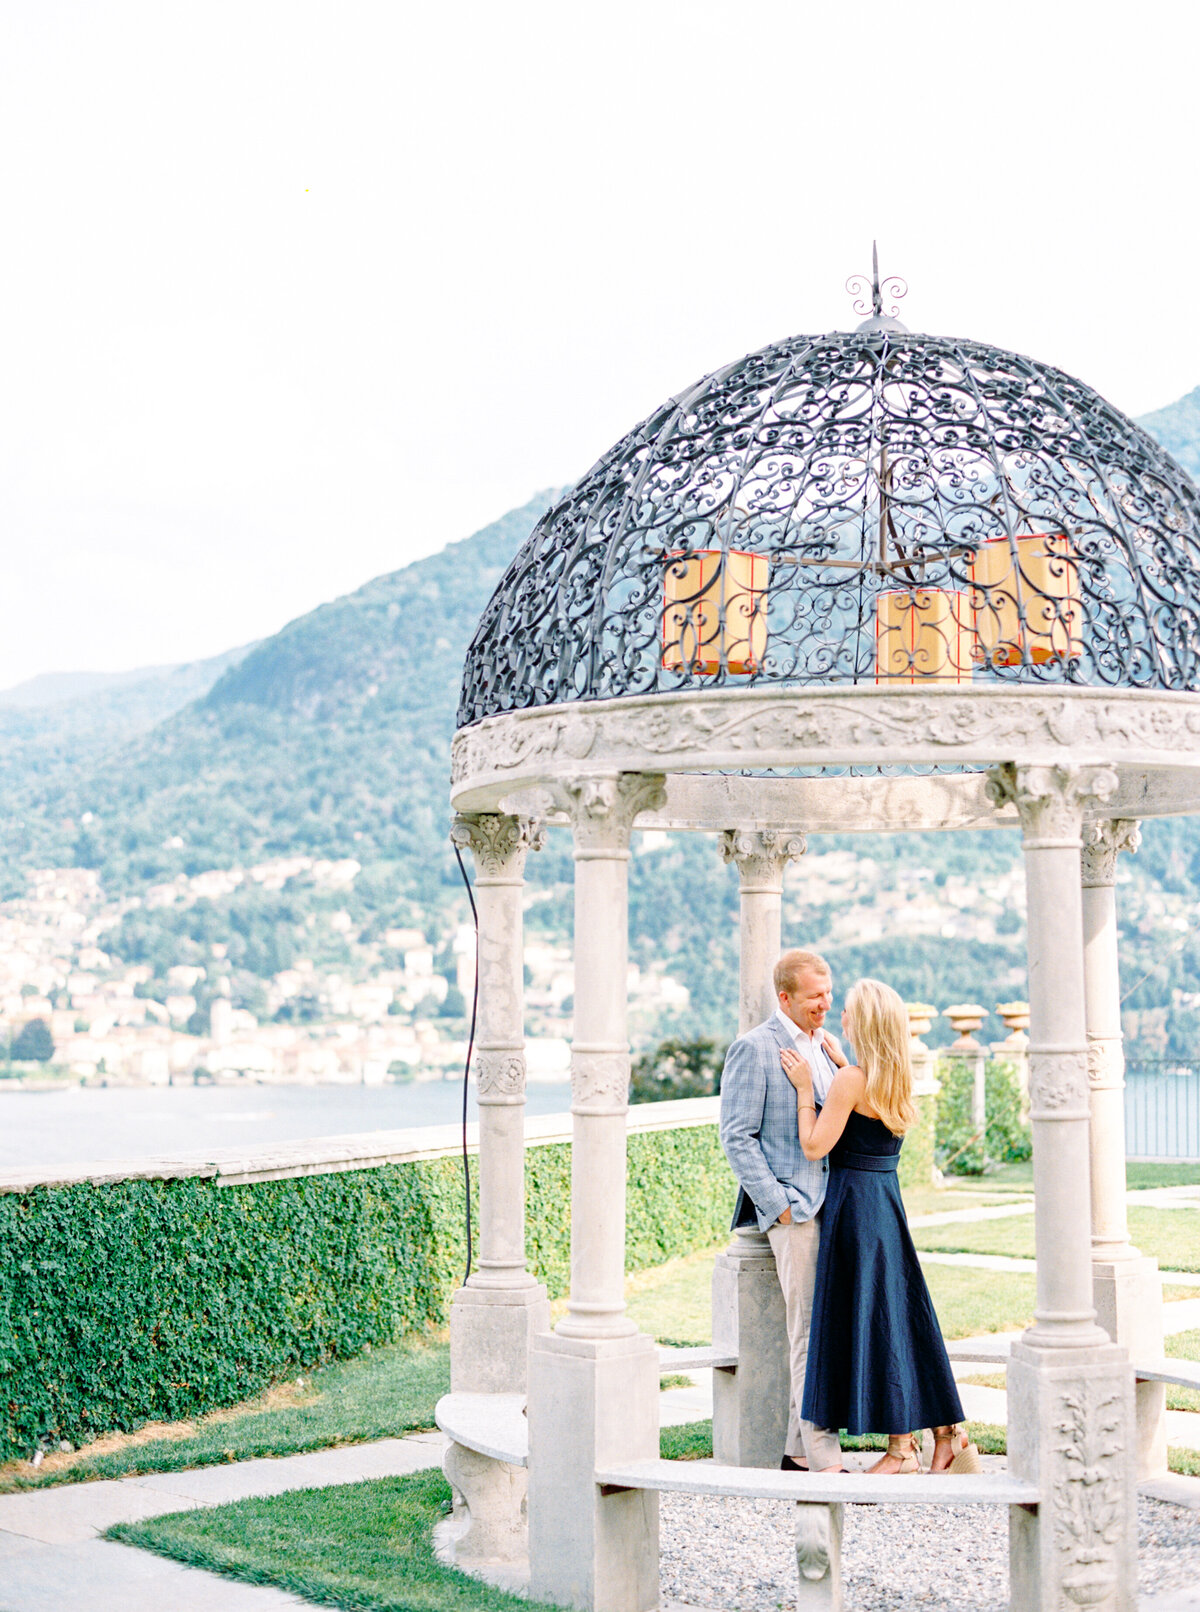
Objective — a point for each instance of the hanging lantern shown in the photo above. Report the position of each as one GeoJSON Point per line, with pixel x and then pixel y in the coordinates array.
{"type": "Point", "coordinates": [1026, 600]}
{"type": "Point", "coordinates": [923, 635]}
{"type": "Point", "coordinates": [715, 611]}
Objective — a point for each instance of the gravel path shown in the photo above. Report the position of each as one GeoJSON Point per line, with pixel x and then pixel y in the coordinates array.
{"type": "Point", "coordinates": [738, 1555]}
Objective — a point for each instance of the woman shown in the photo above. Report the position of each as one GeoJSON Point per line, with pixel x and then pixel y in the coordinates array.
{"type": "Point", "coordinates": [877, 1362]}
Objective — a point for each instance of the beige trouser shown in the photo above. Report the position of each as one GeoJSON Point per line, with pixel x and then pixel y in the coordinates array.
{"type": "Point", "coordinates": [795, 1250]}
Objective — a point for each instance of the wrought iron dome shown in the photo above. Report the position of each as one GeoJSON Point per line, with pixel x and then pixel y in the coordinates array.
{"type": "Point", "coordinates": [874, 506]}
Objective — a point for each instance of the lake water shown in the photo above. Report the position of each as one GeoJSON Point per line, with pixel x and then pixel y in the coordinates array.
{"type": "Point", "coordinates": [77, 1126]}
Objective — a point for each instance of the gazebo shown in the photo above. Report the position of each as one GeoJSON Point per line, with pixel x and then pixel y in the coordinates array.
{"type": "Point", "coordinates": [872, 580]}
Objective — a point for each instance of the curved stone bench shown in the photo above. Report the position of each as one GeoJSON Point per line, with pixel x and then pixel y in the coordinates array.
{"type": "Point", "coordinates": [494, 1425]}
{"type": "Point", "coordinates": [489, 1452]}
{"type": "Point", "coordinates": [821, 1488]}
{"type": "Point", "coordinates": [1164, 1369]}
{"type": "Point", "coordinates": [490, 1424]}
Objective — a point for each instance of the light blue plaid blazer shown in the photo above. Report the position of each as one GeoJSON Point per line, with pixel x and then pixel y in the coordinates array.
{"type": "Point", "coordinates": [760, 1135]}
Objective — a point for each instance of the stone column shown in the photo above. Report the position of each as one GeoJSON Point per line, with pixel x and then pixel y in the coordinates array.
{"type": "Point", "coordinates": [494, 1316]}
{"type": "Point", "coordinates": [761, 856]}
{"type": "Point", "coordinates": [750, 1401]}
{"type": "Point", "coordinates": [593, 1383]}
{"type": "Point", "coordinates": [1126, 1286]}
{"type": "Point", "coordinates": [1070, 1390]}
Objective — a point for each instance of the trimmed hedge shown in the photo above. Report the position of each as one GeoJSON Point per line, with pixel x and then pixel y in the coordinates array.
{"type": "Point", "coordinates": [144, 1301]}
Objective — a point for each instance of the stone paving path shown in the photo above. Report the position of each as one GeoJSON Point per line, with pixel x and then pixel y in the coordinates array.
{"type": "Point", "coordinates": [51, 1557]}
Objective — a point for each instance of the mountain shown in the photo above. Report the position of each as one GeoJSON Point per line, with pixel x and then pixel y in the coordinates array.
{"type": "Point", "coordinates": [328, 738]}
{"type": "Point", "coordinates": [331, 740]}
{"type": "Point", "coordinates": [54, 726]}
{"type": "Point", "coordinates": [1177, 427]}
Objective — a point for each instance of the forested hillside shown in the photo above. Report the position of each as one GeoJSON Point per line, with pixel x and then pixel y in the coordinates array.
{"type": "Point", "coordinates": [331, 740]}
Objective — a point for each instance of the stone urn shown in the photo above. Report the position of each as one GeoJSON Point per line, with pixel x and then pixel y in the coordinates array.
{"type": "Point", "coordinates": [966, 1018]}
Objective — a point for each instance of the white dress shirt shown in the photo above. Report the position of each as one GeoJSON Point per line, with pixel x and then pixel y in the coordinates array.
{"type": "Point", "coordinates": [811, 1048]}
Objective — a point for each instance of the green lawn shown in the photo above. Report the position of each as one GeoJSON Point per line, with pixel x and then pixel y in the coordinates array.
{"type": "Point", "coordinates": [1176, 1173]}
{"type": "Point", "coordinates": [1180, 1346]}
{"type": "Point", "coordinates": [359, 1545]}
{"type": "Point", "coordinates": [673, 1303]}
{"type": "Point", "coordinates": [1172, 1236]}
{"type": "Point", "coordinates": [378, 1395]}
{"type": "Point", "coordinates": [1183, 1346]}
{"type": "Point", "coordinates": [944, 1200]}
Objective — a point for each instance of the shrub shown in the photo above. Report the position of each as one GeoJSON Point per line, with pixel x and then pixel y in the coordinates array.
{"type": "Point", "coordinates": [1006, 1137]}
{"type": "Point", "coordinates": [677, 1068]}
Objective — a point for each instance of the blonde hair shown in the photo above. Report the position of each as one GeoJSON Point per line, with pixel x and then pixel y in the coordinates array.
{"type": "Point", "coordinates": [794, 963]}
{"type": "Point", "coordinates": [877, 1023]}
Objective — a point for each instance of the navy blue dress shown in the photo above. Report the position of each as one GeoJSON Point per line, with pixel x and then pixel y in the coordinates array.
{"type": "Point", "coordinates": [876, 1359]}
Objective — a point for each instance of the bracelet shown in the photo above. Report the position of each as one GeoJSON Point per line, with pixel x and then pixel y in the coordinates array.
{"type": "Point", "coordinates": [803, 1106]}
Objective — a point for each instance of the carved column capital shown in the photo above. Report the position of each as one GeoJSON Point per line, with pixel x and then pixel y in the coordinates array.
{"type": "Point", "coordinates": [1103, 840]}
{"type": "Point", "coordinates": [761, 855]}
{"type": "Point", "coordinates": [498, 843]}
{"type": "Point", "coordinates": [603, 809]}
{"type": "Point", "coordinates": [1051, 800]}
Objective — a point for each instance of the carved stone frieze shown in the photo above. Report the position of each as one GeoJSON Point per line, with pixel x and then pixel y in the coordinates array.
{"type": "Point", "coordinates": [1050, 801]}
{"type": "Point", "coordinates": [497, 842]}
{"type": "Point", "coordinates": [788, 727]}
{"type": "Point", "coordinates": [1105, 1063]}
{"type": "Point", "coordinates": [1058, 1083]}
{"type": "Point", "coordinates": [599, 1082]}
{"type": "Point", "coordinates": [603, 808]}
{"type": "Point", "coordinates": [1088, 1502]}
{"type": "Point", "coordinates": [500, 1074]}
{"type": "Point", "coordinates": [762, 854]}
{"type": "Point", "coordinates": [1103, 841]}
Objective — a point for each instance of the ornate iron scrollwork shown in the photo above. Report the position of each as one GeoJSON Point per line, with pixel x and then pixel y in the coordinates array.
{"type": "Point", "coordinates": [875, 506]}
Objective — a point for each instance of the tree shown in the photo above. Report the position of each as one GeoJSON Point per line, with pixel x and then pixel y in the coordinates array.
{"type": "Point", "coordinates": [678, 1068]}
{"type": "Point", "coordinates": [33, 1043]}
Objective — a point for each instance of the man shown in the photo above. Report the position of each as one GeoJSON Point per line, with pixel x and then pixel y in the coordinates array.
{"type": "Point", "coordinates": [782, 1191]}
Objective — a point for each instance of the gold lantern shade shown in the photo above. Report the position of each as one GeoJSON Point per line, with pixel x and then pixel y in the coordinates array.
{"type": "Point", "coordinates": [715, 611]}
{"type": "Point", "coordinates": [1026, 599]}
{"type": "Point", "coordinates": [923, 635]}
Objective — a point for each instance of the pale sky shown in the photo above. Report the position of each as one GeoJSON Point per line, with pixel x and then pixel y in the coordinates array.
{"type": "Point", "coordinates": [292, 294]}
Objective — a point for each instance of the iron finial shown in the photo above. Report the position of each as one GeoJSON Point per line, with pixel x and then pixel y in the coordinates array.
{"type": "Point", "coordinates": [893, 287]}
{"type": "Point", "coordinates": [876, 294]}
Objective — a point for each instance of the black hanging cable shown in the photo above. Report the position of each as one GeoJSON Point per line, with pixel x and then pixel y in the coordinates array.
{"type": "Point", "coordinates": [467, 1065]}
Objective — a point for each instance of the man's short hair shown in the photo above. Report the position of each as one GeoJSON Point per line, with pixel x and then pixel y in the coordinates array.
{"type": "Point", "coordinates": [793, 964]}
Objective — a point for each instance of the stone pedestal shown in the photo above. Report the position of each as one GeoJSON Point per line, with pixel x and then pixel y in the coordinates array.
{"type": "Point", "coordinates": [967, 1017]}
{"type": "Point", "coordinates": [1070, 1413]}
{"type": "Point", "coordinates": [750, 1402]}
{"type": "Point", "coordinates": [592, 1402]}
{"type": "Point", "coordinates": [1129, 1299]}
{"type": "Point", "coordinates": [493, 1317]}
{"type": "Point", "coordinates": [491, 1333]}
